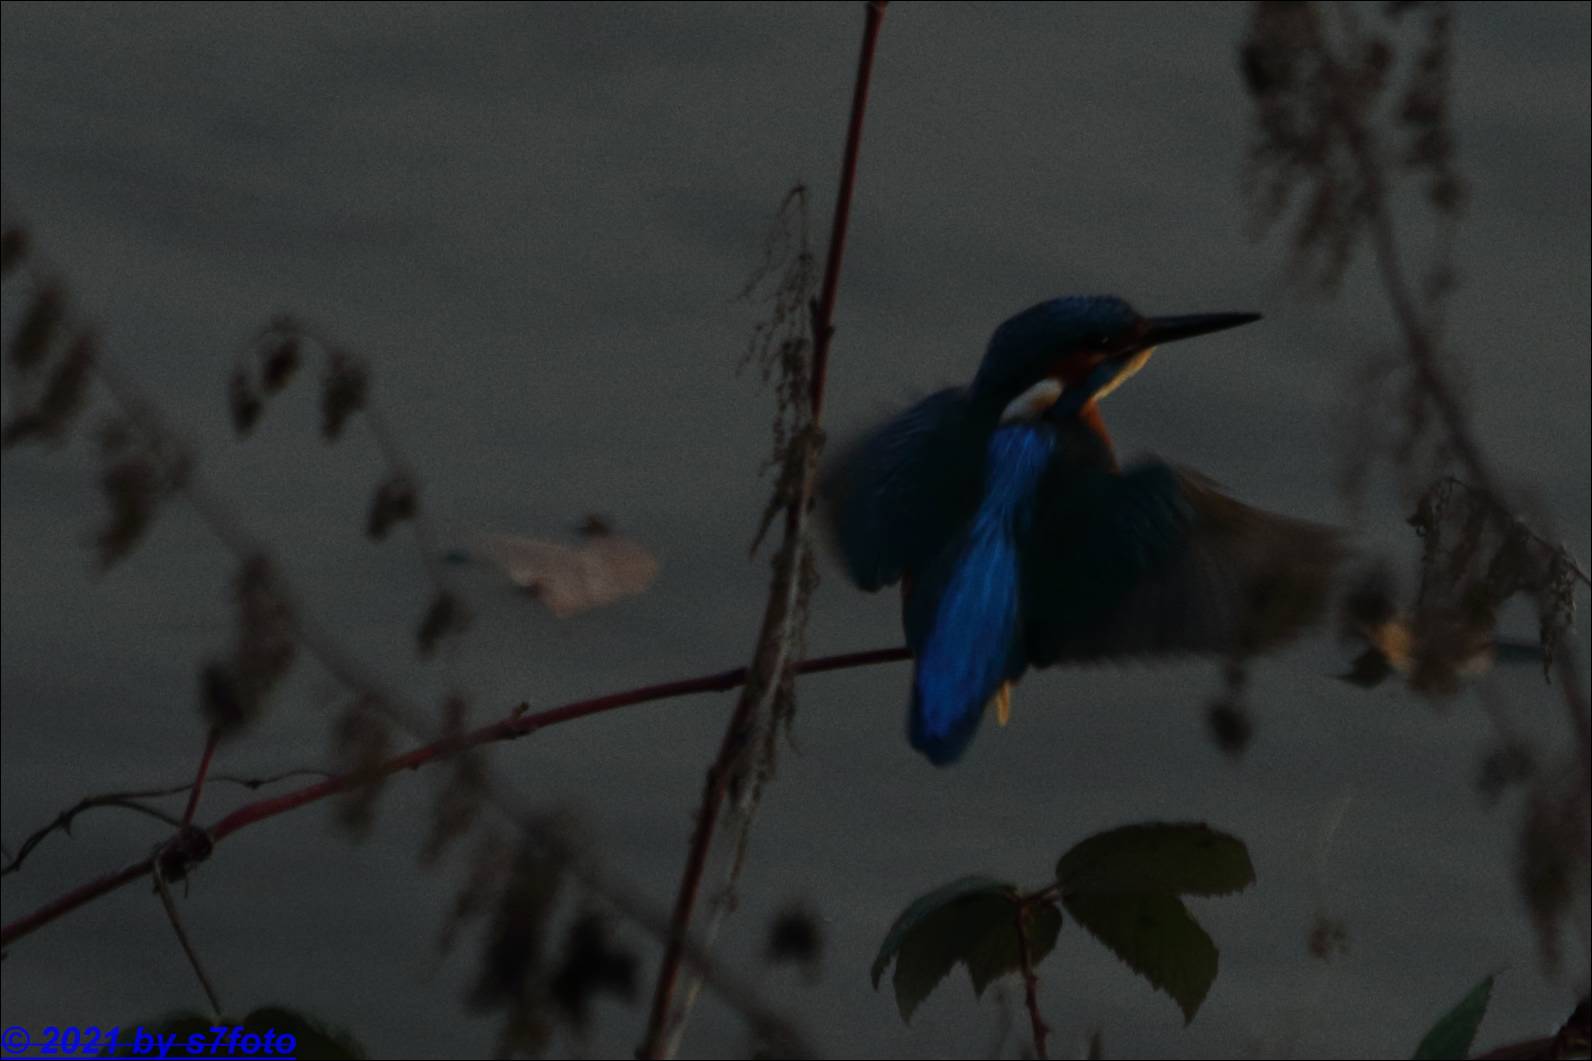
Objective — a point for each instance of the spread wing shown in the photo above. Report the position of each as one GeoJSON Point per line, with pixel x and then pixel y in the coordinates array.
{"type": "Point", "coordinates": [900, 493]}
{"type": "Point", "coordinates": [1158, 561]}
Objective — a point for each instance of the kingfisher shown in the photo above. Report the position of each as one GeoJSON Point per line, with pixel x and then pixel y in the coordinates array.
{"type": "Point", "coordinates": [1019, 541]}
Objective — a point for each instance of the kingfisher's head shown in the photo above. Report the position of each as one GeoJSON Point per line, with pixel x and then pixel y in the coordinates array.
{"type": "Point", "coordinates": [1083, 346]}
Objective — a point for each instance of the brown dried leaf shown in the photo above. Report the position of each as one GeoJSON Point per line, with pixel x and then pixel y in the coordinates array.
{"type": "Point", "coordinates": [13, 248]}
{"type": "Point", "coordinates": [395, 501]}
{"type": "Point", "coordinates": [1329, 938]}
{"type": "Point", "coordinates": [243, 403]}
{"type": "Point", "coordinates": [591, 966]}
{"type": "Point", "coordinates": [511, 970]}
{"type": "Point", "coordinates": [1551, 861]}
{"type": "Point", "coordinates": [279, 360]}
{"type": "Point", "coordinates": [446, 617]}
{"type": "Point", "coordinates": [490, 865]}
{"type": "Point", "coordinates": [224, 700]}
{"type": "Point", "coordinates": [343, 391]}
{"type": "Point", "coordinates": [573, 579]}
{"type": "Point", "coordinates": [40, 324]}
{"type": "Point", "coordinates": [63, 398]}
{"type": "Point", "coordinates": [361, 744]}
{"type": "Point", "coordinates": [133, 486]}
{"type": "Point", "coordinates": [458, 803]}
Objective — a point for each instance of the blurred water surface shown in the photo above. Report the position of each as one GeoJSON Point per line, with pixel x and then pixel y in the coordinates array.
{"type": "Point", "coordinates": [534, 221]}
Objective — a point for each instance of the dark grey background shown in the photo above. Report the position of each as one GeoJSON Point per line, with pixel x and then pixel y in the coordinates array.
{"type": "Point", "coordinates": [534, 220]}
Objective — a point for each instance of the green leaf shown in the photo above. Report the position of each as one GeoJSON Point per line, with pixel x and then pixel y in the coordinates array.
{"type": "Point", "coordinates": [1000, 951]}
{"type": "Point", "coordinates": [1156, 937]}
{"type": "Point", "coordinates": [1451, 1037]}
{"type": "Point", "coordinates": [1177, 858]}
{"type": "Point", "coordinates": [972, 920]}
{"type": "Point", "coordinates": [922, 907]}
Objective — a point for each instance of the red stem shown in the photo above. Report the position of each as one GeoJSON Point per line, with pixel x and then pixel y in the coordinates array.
{"type": "Point", "coordinates": [514, 725]}
{"type": "Point", "coordinates": [735, 734]}
{"type": "Point", "coordinates": [842, 219]}
{"type": "Point", "coordinates": [1030, 982]}
{"type": "Point", "coordinates": [199, 780]}
{"type": "Point", "coordinates": [73, 899]}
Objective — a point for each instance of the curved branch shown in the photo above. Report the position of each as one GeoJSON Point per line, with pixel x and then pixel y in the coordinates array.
{"type": "Point", "coordinates": [1036, 1021]}
{"type": "Point", "coordinates": [517, 724]}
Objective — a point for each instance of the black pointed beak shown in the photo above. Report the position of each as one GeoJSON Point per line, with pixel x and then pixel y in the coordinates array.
{"type": "Point", "coordinates": [1160, 330]}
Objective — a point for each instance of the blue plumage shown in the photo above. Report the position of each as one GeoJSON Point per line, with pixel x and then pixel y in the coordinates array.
{"type": "Point", "coordinates": [1019, 542]}
{"type": "Point", "coordinates": [963, 618]}
{"type": "Point", "coordinates": [1028, 346]}
{"type": "Point", "coordinates": [905, 488]}
{"type": "Point", "coordinates": [902, 491]}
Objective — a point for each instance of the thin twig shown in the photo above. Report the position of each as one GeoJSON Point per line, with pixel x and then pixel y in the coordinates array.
{"type": "Point", "coordinates": [130, 801]}
{"type": "Point", "coordinates": [1502, 513]}
{"type": "Point", "coordinates": [1030, 983]}
{"type": "Point", "coordinates": [63, 822]}
{"type": "Point", "coordinates": [775, 636]}
{"type": "Point", "coordinates": [199, 779]}
{"type": "Point", "coordinates": [170, 904]}
{"type": "Point", "coordinates": [1422, 355]}
{"type": "Point", "coordinates": [516, 724]}
{"type": "Point", "coordinates": [830, 291]}
{"type": "Point", "coordinates": [322, 643]}
{"type": "Point", "coordinates": [400, 468]}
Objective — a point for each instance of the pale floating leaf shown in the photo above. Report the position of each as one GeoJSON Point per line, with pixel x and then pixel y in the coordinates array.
{"type": "Point", "coordinates": [573, 578]}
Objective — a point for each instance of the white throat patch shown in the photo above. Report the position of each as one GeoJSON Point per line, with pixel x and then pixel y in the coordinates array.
{"type": "Point", "coordinates": [1032, 403]}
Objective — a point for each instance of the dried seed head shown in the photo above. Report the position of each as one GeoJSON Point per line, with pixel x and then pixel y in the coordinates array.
{"type": "Point", "coordinates": [223, 699]}
{"type": "Point", "coordinates": [490, 865]}
{"type": "Point", "coordinates": [279, 360]}
{"type": "Point", "coordinates": [40, 324]}
{"type": "Point", "coordinates": [13, 248]}
{"type": "Point", "coordinates": [132, 486]}
{"type": "Point", "coordinates": [395, 501]}
{"type": "Point", "coordinates": [456, 808]}
{"type": "Point", "coordinates": [446, 617]}
{"type": "Point", "coordinates": [343, 392]}
{"type": "Point", "coordinates": [511, 970]}
{"type": "Point", "coordinates": [243, 403]}
{"type": "Point", "coordinates": [1551, 862]}
{"type": "Point", "coordinates": [362, 744]}
{"type": "Point", "coordinates": [1230, 725]}
{"type": "Point", "coordinates": [1329, 937]}
{"type": "Point", "coordinates": [267, 641]}
{"type": "Point", "coordinates": [595, 526]}
{"type": "Point", "coordinates": [64, 397]}
{"type": "Point", "coordinates": [591, 966]}
{"type": "Point", "coordinates": [795, 937]}
{"type": "Point", "coordinates": [1508, 765]}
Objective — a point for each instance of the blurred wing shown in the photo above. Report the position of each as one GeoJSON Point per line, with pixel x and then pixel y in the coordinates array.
{"type": "Point", "coordinates": [1159, 561]}
{"type": "Point", "coordinates": [899, 494]}
{"type": "Point", "coordinates": [573, 579]}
